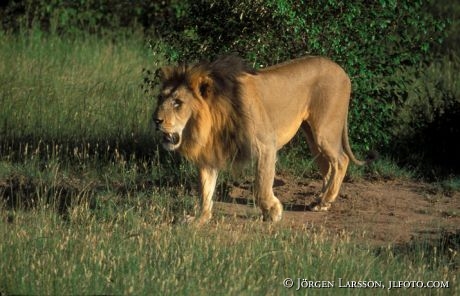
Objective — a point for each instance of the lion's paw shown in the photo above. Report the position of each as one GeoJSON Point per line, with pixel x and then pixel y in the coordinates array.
{"type": "Point", "coordinates": [188, 219]}
{"type": "Point", "coordinates": [196, 221]}
{"type": "Point", "coordinates": [274, 214]}
{"type": "Point", "coordinates": [320, 206]}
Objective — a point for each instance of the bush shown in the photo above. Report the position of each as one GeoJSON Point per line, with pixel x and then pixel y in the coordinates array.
{"type": "Point", "coordinates": [78, 17]}
{"type": "Point", "coordinates": [370, 40]}
{"type": "Point", "coordinates": [381, 44]}
{"type": "Point", "coordinates": [428, 120]}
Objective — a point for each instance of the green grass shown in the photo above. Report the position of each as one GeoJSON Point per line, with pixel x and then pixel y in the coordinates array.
{"type": "Point", "coordinates": [451, 184]}
{"type": "Point", "coordinates": [90, 205]}
{"type": "Point", "coordinates": [61, 89]}
{"type": "Point", "coordinates": [129, 251]}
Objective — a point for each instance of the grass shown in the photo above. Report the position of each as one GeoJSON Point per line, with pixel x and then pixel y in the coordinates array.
{"type": "Point", "coordinates": [90, 205]}
{"type": "Point", "coordinates": [451, 184]}
{"type": "Point", "coordinates": [61, 89]}
{"type": "Point", "coordinates": [130, 251]}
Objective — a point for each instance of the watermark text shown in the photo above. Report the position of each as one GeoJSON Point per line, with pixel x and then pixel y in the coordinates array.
{"type": "Point", "coordinates": [341, 283]}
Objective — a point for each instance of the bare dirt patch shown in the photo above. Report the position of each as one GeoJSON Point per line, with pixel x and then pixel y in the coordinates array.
{"type": "Point", "coordinates": [374, 212]}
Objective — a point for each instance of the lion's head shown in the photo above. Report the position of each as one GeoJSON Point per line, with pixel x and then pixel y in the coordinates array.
{"type": "Point", "coordinates": [199, 111]}
{"type": "Point", "coordinates": [176, 105]}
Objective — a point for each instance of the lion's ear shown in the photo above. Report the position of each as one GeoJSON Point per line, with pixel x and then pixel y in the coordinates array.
{"type": "Point", "coordinates": [201, 85]}
{"type": "Point", "coordinates": [205, 87]}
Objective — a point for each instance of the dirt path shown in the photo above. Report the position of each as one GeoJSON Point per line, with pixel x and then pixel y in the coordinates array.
{"type": "Point", "coordinates": [377, 212]}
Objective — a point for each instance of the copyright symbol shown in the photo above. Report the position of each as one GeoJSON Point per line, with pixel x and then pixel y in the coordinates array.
{"type": "Point", "coordinates": [288, 283]}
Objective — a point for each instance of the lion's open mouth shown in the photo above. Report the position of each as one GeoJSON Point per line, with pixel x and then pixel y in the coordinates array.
{"type": "Point", "coordinates": [171, 138]}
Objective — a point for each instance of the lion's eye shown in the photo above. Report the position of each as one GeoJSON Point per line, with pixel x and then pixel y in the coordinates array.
{"type": "Point", "coordinates": [177, 103]}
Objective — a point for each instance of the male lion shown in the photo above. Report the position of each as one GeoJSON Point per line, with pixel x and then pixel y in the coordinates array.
{"type": "Point", "coordinates": [224, 112]}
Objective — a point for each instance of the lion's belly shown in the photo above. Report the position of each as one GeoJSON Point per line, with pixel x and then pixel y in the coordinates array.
{"type": "Point", "coordinates": [286, 131]}
{"type": "Point", "coordinates": [286, 115]}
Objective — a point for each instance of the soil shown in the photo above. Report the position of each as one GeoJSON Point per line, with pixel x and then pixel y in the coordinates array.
{"type": "Point", "coordinates": [378, 212]}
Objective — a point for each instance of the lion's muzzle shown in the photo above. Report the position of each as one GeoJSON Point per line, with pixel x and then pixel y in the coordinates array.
{"type": "Point", "coordinates": [170, 141]}
{"type": "Point", "coordinates": [171, 138]}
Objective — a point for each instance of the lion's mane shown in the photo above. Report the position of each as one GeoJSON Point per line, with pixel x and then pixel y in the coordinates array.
{"type": "Point", "coordinates": [217, 132]}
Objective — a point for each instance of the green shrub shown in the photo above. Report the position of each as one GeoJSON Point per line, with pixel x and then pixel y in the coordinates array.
{"type": "Point", "coordinates": [428, 121]}
{"type": "Point", "coordinates": [101, 17]}
{"type": "Point", "coordinates": [370, 40]}
{"type": "Point", "coordinates": [381, 44]}
{"type": "Point", "coordinates": [448, 10]}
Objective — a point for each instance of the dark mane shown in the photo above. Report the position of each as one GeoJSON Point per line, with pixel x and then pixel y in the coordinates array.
{"type": "Point", "coordinates": [224, 71]}
{"type": "Point", "coordinates": [227, 116]}
{"type": "Point", "coordinates": [175, 76]}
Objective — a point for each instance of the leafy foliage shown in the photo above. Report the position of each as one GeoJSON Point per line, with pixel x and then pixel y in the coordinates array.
{"type": "Point", "coordinates": [370, 40]}
{"type": "Point", "coordinates": [381, 44]}
{"type": "Point", "coordinates": [427, 123]}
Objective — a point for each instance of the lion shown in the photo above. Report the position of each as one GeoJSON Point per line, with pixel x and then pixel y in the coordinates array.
{"type": "Point", "coordinates": [224, 112]}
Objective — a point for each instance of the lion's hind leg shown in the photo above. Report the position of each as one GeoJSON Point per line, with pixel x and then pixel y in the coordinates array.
{"type": "Point", "coordinates": [332, 163]}
{"type": "Point", "coordinates": [320, 160]}
{"type": "Point", "coordinates": [338, 168]}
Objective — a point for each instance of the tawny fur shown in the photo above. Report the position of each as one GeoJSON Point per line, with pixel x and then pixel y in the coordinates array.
{"type": "Point", "coordinates": [224, 112]}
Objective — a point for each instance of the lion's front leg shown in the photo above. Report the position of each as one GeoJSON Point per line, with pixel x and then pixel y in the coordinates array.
{"type": "Point", "coordinates": [208, 178]}
{"type": "Point", "coordinates": [271, 207]}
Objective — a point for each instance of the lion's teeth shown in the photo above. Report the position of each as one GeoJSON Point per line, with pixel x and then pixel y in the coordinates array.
{"type": "Point", "coordinates": [171, 138]}
{"type": "Point", "coordinates": [174, 138]}
{"type": "Point", "coordinates": [167, 137]}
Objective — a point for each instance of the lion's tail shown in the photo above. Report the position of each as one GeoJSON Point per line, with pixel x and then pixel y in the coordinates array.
{"type": "Point", "coordinates": [346, 145]}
